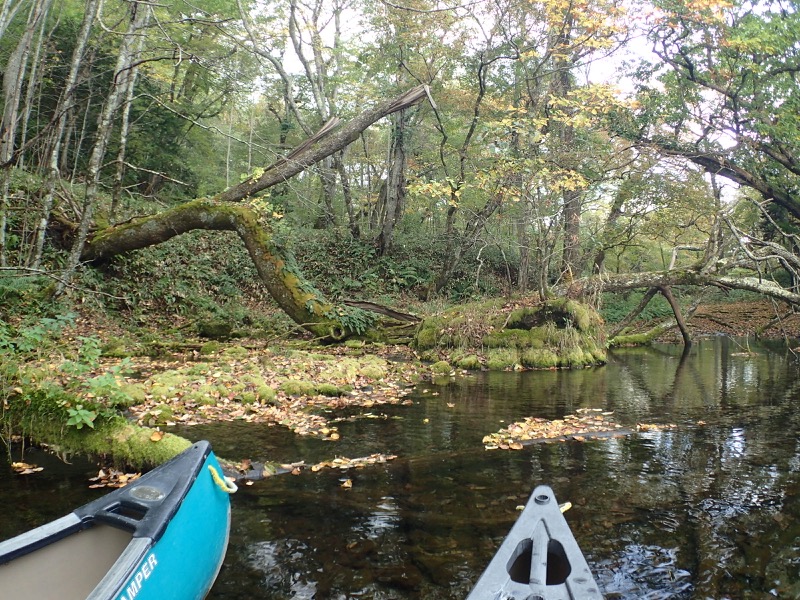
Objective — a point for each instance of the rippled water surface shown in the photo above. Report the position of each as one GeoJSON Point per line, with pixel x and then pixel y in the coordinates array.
{"type": "Point", "coordinates": [710, 509]}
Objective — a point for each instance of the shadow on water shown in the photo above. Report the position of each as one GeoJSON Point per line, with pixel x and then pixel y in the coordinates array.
{"type": "Point", "coordinates": [707, 510]}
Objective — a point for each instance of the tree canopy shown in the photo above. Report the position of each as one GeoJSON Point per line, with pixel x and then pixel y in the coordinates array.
{"type": "Point", "coordinates": [482, 134]}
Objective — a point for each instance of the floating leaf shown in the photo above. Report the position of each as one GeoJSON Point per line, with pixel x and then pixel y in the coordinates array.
{"type": "Point", "coordinates": [21, 468]}
{"type": "Point", "coordinates": [587, 423]}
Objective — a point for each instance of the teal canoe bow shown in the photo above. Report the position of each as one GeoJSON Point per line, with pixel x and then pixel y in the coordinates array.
{"type": "Point", "coordinates": [163, 536]}
{"type": "Point", "coordinates": [539, 559]}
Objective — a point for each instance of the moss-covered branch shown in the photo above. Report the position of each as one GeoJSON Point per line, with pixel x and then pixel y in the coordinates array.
{"type": "Point", "coordinates": [296, 296]}
{"type": "Point", "coordinates": [608, 282]}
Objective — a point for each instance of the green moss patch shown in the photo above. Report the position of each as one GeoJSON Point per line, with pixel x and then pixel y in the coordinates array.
{"type": "Point", "coordinates": [529, 334]}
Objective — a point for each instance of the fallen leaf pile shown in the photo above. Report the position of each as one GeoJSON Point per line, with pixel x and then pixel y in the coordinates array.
{"type": "Point", "coordinates": [587, 423]}
{"type": "Point", "coordinates": [112, 478]}
{"type": "Point", "coordinates": [251, 388]}
{"type": "Point", "coordinates": [249, 470]}
{"type": "Point", "coordinates": [21, 468]}
{"type": "Point", "coordinates": [353, 463]}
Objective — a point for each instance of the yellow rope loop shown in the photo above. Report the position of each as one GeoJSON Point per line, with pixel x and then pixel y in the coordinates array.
{"type": "Point", "coordinates": [226, 484]}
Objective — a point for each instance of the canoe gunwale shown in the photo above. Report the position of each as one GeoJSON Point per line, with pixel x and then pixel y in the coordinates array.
{"type": "Point", "coordinates": [140, 513]}
{"type": "Point", "coordinates": [127, 563]}
{"type": "Point", "coordinates": [174, 478]}
{"type": "Point", "coordinates": [38, 538]}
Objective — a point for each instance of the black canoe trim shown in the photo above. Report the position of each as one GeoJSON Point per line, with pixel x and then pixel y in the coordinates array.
{"type": "Point", "coordinates": [144, 507]}
{"type": "Point", "coordinates": [539, 559]}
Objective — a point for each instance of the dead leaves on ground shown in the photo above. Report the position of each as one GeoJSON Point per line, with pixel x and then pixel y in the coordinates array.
{"type": "Point", "coordinates": [250, 388]}
{"type": "Point", "coordinates": [587, 423]}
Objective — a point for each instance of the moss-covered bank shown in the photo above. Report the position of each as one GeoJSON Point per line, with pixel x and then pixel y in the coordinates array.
{"type": "Point", "coordinates": [530, 334]}
{"type": "Point", "coordinates": [113, 439]}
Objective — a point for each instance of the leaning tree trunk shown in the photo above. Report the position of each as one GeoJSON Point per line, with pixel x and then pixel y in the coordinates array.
{"type": "Point", "coordinates": [226, 211]}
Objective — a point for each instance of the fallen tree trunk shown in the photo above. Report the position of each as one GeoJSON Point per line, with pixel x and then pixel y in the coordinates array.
{"type": "Point", "coordinates": [227, 211]}
{"type": "Point", "coordinates": [646, 337]}
{"type": "Point", "coordinates": [294, 294]}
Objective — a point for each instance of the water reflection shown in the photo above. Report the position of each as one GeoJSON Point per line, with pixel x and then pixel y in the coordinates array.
{"type": "Point", "coordinates": [710, 509]}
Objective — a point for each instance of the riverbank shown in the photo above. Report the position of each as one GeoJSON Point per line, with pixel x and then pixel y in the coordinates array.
{"type": "Point", "coordinates": [97, 370]}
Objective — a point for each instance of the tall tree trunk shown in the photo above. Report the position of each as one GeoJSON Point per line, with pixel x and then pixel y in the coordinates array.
{"type": "Point", "coordinates": [393, 190]}
{"type": "Point", "coordinates": [560, 87]}
{"type": "Point", "coordinates": [347, 194]}
{"type": "Point", "coordinates": [64, 108]}
{"type": "Point", "coordinates": [139, 16]}
{"type": "Point", "coordinates": [605, 236]}
{"type": "Point", "coordinates": [327, 176]}
{"type": "Point", "coordinates": [13, 79]}
{"type": "Point", "coordinates": [7, 12]}
{"type": "Point", "coordinates": [321, 74]}
{"type": "Point", "coordinates": [524, 241]}
{"type": "Point", "coordinates": [33, 84]}
{"type": "Point", "coordinates": [124, 130]}
{"type": "Point", "coordinates": [571, 257]}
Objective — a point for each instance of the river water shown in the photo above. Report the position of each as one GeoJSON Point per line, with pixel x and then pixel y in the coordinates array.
{"type": "Point", "coordinates": [710, 509]}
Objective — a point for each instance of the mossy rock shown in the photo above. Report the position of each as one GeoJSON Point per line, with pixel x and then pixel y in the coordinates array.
{"type": "Point", "coordinates": [500, 359]}
{"type": "Point", "coordinates": [441, 368]}
{"type": "Point", "coordinates": [265, 394]}
{"type": "Point", "coordinates": [576, 358]}
{"type": "Point", "coordinates": [201, 368]}
{"type": "Point", "coordinates": [296, 387]}
{"type": "Point", "coordinates": [160, 415]}
{"type": "Point", "coordinates": [215, 329]}
{"type": "Point", "coordinates": [343, 369]}
{"type": "Point", "coordinates": [236, 352]}
{"type": "Point", "coordinates": [430, 356]}
{"type": "Point", "coordinates": [205, 395]}
{"type": "Point", "coordinates": [328, 389]}
{"type": "Point", "coordinates": [428, 335]}
{"type": "Point", "coordinates": [465, 360]}
{"type": "Point", "coordinates": [210, 348]}
{"type": "Point", "coordinates": [539, 358]}
{"type": "Point", "coordinates": [470, 362]}
{"type": "Point", "coordinates": [508, 338]}
{"type": "Point", "coordinates": [372, 367]}
{"type": "Point", "coordinates": [135, 393]}
{"type": "Point", "coordinates": [115, 348]}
